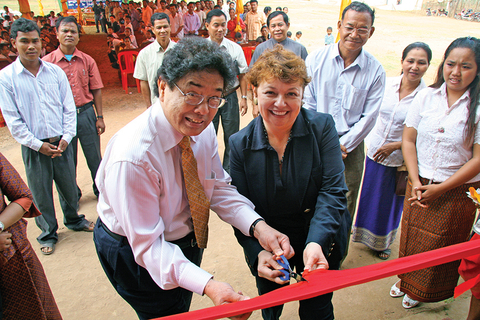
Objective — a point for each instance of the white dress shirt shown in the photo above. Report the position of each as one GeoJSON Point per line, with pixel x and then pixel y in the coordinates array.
{"type": "Point", "coordinates": [235, 51]}
{"type": "Point", "coordinates": [37, 107]}
{"type": "Point", "coordinates": [143, 196]}
{"type": "Point", "coordinates": [351, 95]}
{"type": "Point", "coordinates": [441, 150]}
{"type": "Point", "coordinates": [149, 60]}
{"type": "Point", "coordinates": [389, 125]}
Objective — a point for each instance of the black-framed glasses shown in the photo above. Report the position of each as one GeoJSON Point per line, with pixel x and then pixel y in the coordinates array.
{"type": "Point", "coordinates": [194, 99]}
{"type": "Point", "coordinates": [360, 31]}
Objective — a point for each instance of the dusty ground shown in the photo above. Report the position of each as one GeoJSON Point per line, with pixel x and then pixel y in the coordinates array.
{"type": "Point", "coordinates": [82, 290]}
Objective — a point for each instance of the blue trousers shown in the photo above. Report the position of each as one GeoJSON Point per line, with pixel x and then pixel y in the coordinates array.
{"type": "Point", "coordinates": [133, 282]}
{"type": "Point", "coordinates": [41, 171]}
{"type": "Point", "coordinates": [230, 117]}
{"type": "Point", "coordinates": [90, 141]}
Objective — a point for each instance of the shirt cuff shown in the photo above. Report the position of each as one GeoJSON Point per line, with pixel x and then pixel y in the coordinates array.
{"type": "Point", "coordinates": [67, 138]}
{"type": "Point", "coordinates": [194, 278]}
{"type": "Point", "coordinates": [244, 219]}
{"type": "Point", "coordinates": [25, 203]}
{"type": "Point", "coordinates": [36, 145]}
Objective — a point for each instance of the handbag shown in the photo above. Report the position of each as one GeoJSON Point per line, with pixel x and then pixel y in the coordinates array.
{"type": "Point", "coordinates": [401, 179]}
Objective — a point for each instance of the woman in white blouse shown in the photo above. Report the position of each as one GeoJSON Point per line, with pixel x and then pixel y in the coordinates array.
{"type": "Point", "coordinates": [380, 209]}
{"type": "Point", "coordinates": [441, 148]}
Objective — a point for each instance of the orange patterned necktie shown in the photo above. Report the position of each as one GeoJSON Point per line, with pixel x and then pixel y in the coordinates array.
{"type": "Point", "coordinates": [198, 201]}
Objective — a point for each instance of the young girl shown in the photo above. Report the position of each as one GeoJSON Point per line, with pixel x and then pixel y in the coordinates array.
{"type": "Point", "coordinates": [380, 209]}
{"type": "Point", "coordinates": [441, 148]}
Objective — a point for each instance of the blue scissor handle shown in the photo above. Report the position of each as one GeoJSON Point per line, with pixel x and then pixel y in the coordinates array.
{"type": "Point", "coordinates": [286, 268]}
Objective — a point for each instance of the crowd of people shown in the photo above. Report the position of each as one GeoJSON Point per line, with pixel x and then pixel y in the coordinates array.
{"type": "Point", "coordinates": [289, 181]}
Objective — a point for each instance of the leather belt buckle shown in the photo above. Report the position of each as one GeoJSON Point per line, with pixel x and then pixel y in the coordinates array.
{"type": "Point", "coordinates": [54, 139]}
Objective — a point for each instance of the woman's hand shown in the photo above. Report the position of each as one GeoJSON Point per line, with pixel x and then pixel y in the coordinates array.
{"type": "Point", "coordinates": [416, 195]}
{"type": "Point", "coordinates": [313, 257]}
{"type": "Point", "coordinates": [5, 240]}
{"type": "Point", "coordinates": [268, 267]}
{"type": "Point", "coordinates": [384, 151]}
{"type": "Point", "coordinates": [425, 194]}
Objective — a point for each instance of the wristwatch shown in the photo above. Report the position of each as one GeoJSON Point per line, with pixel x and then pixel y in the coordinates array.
{"type": "Point", "coordinates": [99, 117]}
{"type": "Point", "coordinates": [244, 97]}
{"type": "Point", "coordinates": [2, 226]}
{"type": "Point", "coordinates": [254, 224]}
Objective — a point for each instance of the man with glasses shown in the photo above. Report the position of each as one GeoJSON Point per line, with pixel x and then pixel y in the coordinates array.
{"type": "Point", "coordinates": [148, 237]}
{"type": "Point", "coordinates": [348, 83]}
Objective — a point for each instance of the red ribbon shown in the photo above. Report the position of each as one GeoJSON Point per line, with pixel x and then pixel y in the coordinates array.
{"type": "Point", "coordinates": [325, 281]}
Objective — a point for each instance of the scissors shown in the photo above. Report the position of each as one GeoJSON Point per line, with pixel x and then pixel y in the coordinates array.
{"type": "Point", "coordinates": [287, 271]}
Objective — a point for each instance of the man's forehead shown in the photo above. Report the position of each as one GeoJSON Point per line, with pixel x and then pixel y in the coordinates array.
{"type": "Point", "coordinates": [353, 17]}
{"type": "Point", "coordinates": [161, 22]}
{"type": "Point", "coordinates": [28, 35]}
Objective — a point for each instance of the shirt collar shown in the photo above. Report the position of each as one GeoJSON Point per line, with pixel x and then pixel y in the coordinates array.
{"type": "Point", "coordinates": [59, 55]}
{"type": "Point", "coordinates": [19, 68]}
{"type": "Point", "coordinates": [443, 92]}
{"type": "Point", "coordinates": [360, 60]}
{"type": "Point", "coordinates": [398, 80]}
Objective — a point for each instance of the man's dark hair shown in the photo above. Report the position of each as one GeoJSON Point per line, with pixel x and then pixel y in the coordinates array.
{"type": "Point", "coordinates": [217, 7]}
{"type": "Point", "coordinates": [267, 9]}
{"type": "Point", "coordinates": [359, 7]}
{"type": "Point", "coordinates": [67, 19]}
{"type": "Point", "coordinates": [159, 16]}
{"type": "Point", "coordinates": [277, 13]}
{"type": "Point", "coordinates": [214, 13]}
{"type": "Point", "coordinates": [252, 1]}
{"type": "Point", "coordinates": [3, 45]}
{"type": "Point", "coordinates": [191, 2]}
{"type": "Point", "coordinates": [128, 16]}
{"type": "Point", "coordinates": [23, 25]}
{"type": "Point", "coordinates": [195, 54]}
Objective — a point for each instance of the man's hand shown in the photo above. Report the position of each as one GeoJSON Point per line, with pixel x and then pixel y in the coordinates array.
{"type": "Point", "coordinates": [62, 145]}
{"type": "Point", "coordinates": [243, 106]}
{"type": "Point", "coordinates": [313, 257]}
{"type": "Point", "coordinates": [100, 124]}
{"type": "Point", "coordinates": [50, 150]}
{"type": "Point", "coordinates": [5, 240]}
{"type": "Point", "coordinates": [221, 293]}
{"type": "Point", "coordinates": [268, 267]}
{"type": "Point", "coordinates": [273, 241]}
{"type": "Point", "coordinates": [344, 151]}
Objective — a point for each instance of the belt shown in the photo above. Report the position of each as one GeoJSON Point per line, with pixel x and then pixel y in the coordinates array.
{"type": "Point", "coordinates": [229, 92]}
{"type": "Point", "coordinates": [115, 236]}
{"type": "Point", "coordinates": [184, 243]}
{"type": "Point", "coordinates": [52, 140]}
{"type": "Point", "coordinates": [84, 107]}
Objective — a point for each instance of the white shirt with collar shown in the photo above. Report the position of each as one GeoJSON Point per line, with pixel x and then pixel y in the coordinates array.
{"type": "Point", "coordinates": [143, 196]}
{"type": "Point", "coordinates": [389, 125]}
{"type": "Point", "coordinates": [37, 107]}
{"type": "Point", "coordinates": [441, 150]}
{"type": "Point", "coordinates": [149, 60]}
{"type": "Point", "coordinates": [236, 52]}
{"type": "Point", "coordinates": [351, 95]}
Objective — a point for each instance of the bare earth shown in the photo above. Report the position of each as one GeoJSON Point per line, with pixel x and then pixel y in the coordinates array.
{"type": "Point", "coordinates": [82, 290]}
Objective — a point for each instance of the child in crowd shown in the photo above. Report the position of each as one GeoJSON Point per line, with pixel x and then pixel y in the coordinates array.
{"type": "Point", "coordinates": [278, 9]}
{"type": "Point", "coordinates": [285, 9]}
{"type": "Point", "coordinates": [238, 38]}
{"type": "Point", "coordinates": [289, 34]}
{"type": "Point", "coordinates": [298, 35]}
{"type": "Point", "coordinates": [329, 37]}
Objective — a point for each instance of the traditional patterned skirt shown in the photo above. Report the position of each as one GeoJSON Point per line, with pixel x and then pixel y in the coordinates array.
{"type": "Point", "coordinates": [470, 268]}
{"type": "Point", "coordinates": [379, 209]}
{"type": "Point", "coordinates": [446, 221]}
{"type": "Point", "coordinates": [24, 288]}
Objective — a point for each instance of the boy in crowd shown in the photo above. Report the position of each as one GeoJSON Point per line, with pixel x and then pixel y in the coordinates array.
{"type": "Point", "coordinates": [329, 37]}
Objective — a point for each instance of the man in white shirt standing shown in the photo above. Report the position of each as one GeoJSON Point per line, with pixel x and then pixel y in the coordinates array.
{"type": "Point", "coordinates": [37, 103]}
{"type": "Point", "coordinates": [216, 24]}
{"type": "Point", "coordinates": [147, 234]}
{"type": "Point", "coordinates": [150, 58]}
{"type": "Point", "coordinates": [348, 83]}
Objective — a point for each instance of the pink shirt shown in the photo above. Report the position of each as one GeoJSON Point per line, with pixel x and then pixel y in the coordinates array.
{"type": "Point", "coordinates": [82, 73]}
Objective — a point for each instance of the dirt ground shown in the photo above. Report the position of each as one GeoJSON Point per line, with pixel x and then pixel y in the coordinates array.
{"type": "Point", "coordinates": [82, 290]}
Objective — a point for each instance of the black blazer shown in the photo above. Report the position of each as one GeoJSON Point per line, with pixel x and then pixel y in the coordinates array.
{"type": "Point", "coordinates": [316, 170]}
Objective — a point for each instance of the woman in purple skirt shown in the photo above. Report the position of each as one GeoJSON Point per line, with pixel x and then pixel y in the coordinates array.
{"type": "Point", "coordinates": [380, 209]}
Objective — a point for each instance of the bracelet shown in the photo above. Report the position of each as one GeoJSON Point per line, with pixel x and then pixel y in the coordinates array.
{"type": "Point", "coordinates": [252, 227]}
{"type": "Point", "coordinates": [99, 117]}
{"type": "Point", "coordinates": [244, 97]}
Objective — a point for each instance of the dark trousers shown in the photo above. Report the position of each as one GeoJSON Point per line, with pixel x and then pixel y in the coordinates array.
{"type": "Point", "coordinates": [230, 116]}
{"type": "Point", "coordinates": [97, 20]}
{"type": "Point", "coordinates": [354, 164]}
{"type": "Point", "coordinates": [318, 308]}
{"type": "Point", "coordinates": [133, 282]}
{"type": "Point", "coordinates": [90, 141]}
{"type": "Point", "coordinates": [41, 171]}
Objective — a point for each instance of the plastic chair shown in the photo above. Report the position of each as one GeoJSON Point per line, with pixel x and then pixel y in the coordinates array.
{"type": "Point", "coordinates": [126, 61]}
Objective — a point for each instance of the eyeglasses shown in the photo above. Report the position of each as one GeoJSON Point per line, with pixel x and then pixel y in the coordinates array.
{"type": "Point", "coordinates": [360, 31]}
{"type": "Point", "coordinates": [195, 99]}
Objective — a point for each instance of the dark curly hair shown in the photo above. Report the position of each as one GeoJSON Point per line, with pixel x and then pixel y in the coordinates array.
{"type": "Point", "coordinates": [23, 25]}
{"type": "Point", "coordinates": [195, 54]}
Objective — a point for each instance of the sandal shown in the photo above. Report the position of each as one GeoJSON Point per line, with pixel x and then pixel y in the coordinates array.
{"type": "Point", "coordinates": [395, 291]}
{"type": "Point", "coordinates": [385, 254]}
{"type": "Point", "coordinates": [409, 303]}
{"type": "Point", "coordinates": [47, 246]}
{"type": "Point", "coordinates": [88, 226]}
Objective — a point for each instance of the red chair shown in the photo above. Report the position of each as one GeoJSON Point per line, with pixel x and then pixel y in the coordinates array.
{"type": "Point", "coordinates": [248, 52]}
{"type": "Point", "coordinates": [126, 61]}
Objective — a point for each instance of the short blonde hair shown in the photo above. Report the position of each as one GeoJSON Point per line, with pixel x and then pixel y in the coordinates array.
{"type": "Point", "coordinates": [278, 63]}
